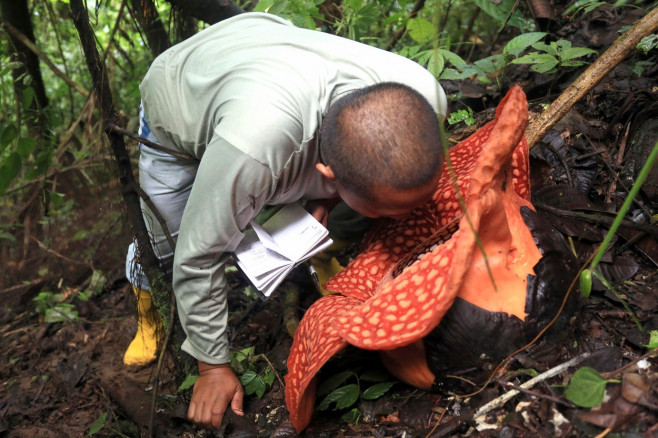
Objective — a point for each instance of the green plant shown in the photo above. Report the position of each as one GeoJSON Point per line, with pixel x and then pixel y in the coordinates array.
{"type": "Point", "coordinates": [243, 362]}
{"type": "Point", "coordinates": [556, 54]}
{"type": "Point", "coordinates": [504, 12]}
{"type": "Point", "coordinates": [587, 388]}
{"type": "Point", "coordinates": [586, 6]}
{"type": "Point", "coordinates": [97, 425]}
{"type": "Point", "coordinates": [53, 308]}
{"type": "Point", "coordinates": [481, 68]}
{"type": "Point", "coordinates": [302, 13]}
{"type": "Point", "coordinates": [463, 115]}
{"type": "Point", "coordinates": [357, 17]}
{"type": "Point", "coordinates": [648, 43]}
{"type": "Point", "coordinates": [342, 395]}
{"type": "Point", "coordinates": [15, 150]}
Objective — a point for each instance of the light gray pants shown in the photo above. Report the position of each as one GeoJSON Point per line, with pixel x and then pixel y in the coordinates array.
{"type": "Point", "coordinates": [167, 180]}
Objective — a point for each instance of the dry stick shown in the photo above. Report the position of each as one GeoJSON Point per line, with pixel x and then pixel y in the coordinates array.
{"type": "Point", "coordinates": [30, 45]}
{"type": "Point", "coordinates": [622, 47]}
{"type": "Point", "coordinates": [500, 401]}
{"type": "Point", "coordinates": [120, 130]}
{"type": "Point", "coordinates": [599, 219]}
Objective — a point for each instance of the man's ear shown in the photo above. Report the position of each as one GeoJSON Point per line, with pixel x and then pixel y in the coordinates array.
{"type": "Point", "coordinates": [326, 171]}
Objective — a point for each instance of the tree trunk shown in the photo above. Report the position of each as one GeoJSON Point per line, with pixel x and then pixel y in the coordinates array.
{"type": "Point", "coordinates": [16, 13]}
{"type": "Point", "coordinates": [147, 15]}
{"type": "Point", "coordinates": [208, 11]}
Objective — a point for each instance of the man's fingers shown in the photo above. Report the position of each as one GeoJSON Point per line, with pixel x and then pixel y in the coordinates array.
{"type": "Point", "coordinates": [236, 403]}
{"type": "Point", "coordinates": [217, 411]}
{"type": "Point", "coordinates": [191, 411]}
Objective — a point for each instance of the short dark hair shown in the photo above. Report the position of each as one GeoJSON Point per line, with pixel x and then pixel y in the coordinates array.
{"type": "Point", "coordinates": [382, 135]}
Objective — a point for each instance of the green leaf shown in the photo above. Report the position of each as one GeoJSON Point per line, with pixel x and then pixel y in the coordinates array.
{"type": "Point", "coordinates": [420, 30]}
{"type": "Point", "coordinates": [8, 237]}
{"type": "Point", "coordinates": [28, 96]}
{"type": "Point", "coordinates": [25, 146]}
{"type": "Point", "coordinates": [534, 58]}
{"type": "Point", "coordinates": [344, 397]}
{"type": "Point", "coordinates": [248, 377]}
{"type": "Point", "coordinates": [545, 67]}
{"type": "Point", "coordinates": [269, 377]}
{"type": "Point", "coordinates": [500, 11]}
{"type": "Point", "coordinates": [187, 383]}
{"type": "Point", "coordinates": [333, 382]}
{"type": "Point", "coordinates": [585, 283]}
{"type": "Point", "coordinates": [490, 64]}
{"type": "Point", "coordinates": [577, 52]}
{"type": "Point", "coordinates": [435, 63]}
{"type": "Point", "coordinates": [352, 416]}
{"type": "Point", "coordinates": [586, 388]}
{"type": "Point", "coordinates": [571, 63]}
{"type": "Point", "coordinates": [8, 135]}
{"type": "Point", "coordinates": [551, 49]}
{"type": "Point", "coordinates": [653, 340]}
{"type": "Point", "coordinates": [61, 313]}
{"type": "Point", "coordinates": [57, 199]}
{"type": "Point", "coordinates": [263, 5]}
{"type": "Point", "coordinates": [462, 115]}
{"type": "Point", "coordinates": [648, 43]}
{"type": "Point", "coordinates": [98, 424]}
{"type": "Point", "coordinates": [453, 58]}
{"type": "Point", "coordinates": [253, 384]}
{"type": "Point", "coordinates": [377, 390]}
{"type": "Point", "coordinates": [450, 74]}
{"type": "Point", "coordinates": [518, 44]}
{"type": "Point", "coordinates": [10, 167]}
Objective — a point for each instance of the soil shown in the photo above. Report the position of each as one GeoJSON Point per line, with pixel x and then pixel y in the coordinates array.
{"type": "Point", "coordinates": [59, 379]}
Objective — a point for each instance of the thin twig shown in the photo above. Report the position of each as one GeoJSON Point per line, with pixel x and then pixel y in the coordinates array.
{"type": "Point", "coordinates": [158, 216]}
{"type": "Point", "coordinates": [30, 45]}
{"type": "Point", "coordinates": [262, 356]}
{"type": "Point", "coordinates": [119, 130]}
{"type": "Point", "coordinates": [500, 401]}
{"type": "Point", "coordinates": [55, 253]}
{"type": "Point", "coordinates": [438, 421]}
{"type": "Point", "coordinates": [619, 371]}
{"type": "Point", "coordinates": [599, 219]}
{"type": "Point", "coordinates": [537, 394]}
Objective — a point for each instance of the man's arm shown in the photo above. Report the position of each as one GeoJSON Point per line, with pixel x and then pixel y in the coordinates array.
{"type": "Point", "coordinates": [228, 191]}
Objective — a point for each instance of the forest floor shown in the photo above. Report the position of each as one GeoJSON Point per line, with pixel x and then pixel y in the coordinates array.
{"type": "Point", "coordinates": [63, 379]}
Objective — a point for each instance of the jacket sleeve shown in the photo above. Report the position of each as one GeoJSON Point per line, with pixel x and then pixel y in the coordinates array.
{"type": "Point", "coordinates": [229, 190]}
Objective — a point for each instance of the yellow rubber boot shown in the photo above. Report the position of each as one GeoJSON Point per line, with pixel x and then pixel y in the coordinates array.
{"type": "Point", "coordinates": [143, 349]}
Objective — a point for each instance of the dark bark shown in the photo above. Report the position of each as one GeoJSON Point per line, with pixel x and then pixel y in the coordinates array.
{"type": "Point", "coordinates": [147, 16]}
{"type": "Point", "coordinates": [208, 11]}
{"type": "Point", "coordinates": [16, 13]}
{"type": "Point", "coordinates": [130, 188]}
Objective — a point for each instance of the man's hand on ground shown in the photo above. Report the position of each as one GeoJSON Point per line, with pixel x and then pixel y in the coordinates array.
{"type": "Point", "coordinates": [216, 388]}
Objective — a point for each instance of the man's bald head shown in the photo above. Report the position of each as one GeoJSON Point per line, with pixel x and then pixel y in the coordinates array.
{"type": "Point", "coordinates": [383, 135]}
